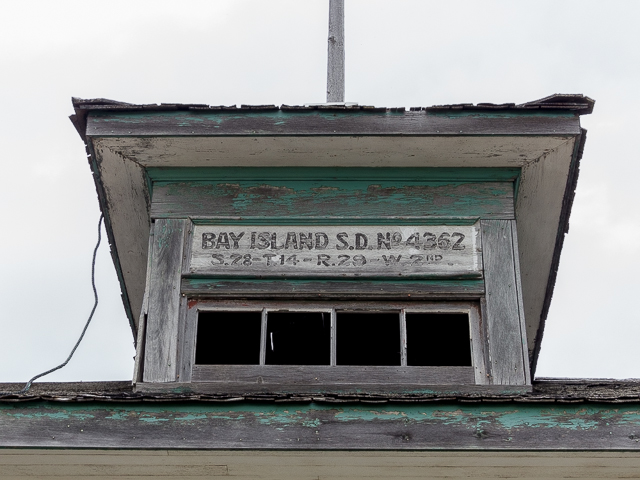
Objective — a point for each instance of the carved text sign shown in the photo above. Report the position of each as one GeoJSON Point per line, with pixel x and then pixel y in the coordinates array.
{"type": "Point", "coordinates": [336, 251]}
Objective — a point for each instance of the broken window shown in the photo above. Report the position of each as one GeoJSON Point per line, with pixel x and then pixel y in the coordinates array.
{"type": "Point", "coordinates": [333, 337]}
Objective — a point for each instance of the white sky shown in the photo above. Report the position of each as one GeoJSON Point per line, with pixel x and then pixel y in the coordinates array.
{"type": "Point", "coordinates": [399, 53]}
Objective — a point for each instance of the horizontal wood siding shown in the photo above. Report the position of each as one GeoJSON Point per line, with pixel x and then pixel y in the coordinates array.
{"type": "Point", "coordinates": [327, 200]}
{"type": "Point", "coordinates": [198, 464]}
{"type": "Point", "coordinates": [328, 123]}
{"type": "Point", "coordinates": [304, 426]}
{"type": "Point", "coordinates": [314, 289]}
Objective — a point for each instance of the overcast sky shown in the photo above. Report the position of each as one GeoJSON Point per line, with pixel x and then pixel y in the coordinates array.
{"type": "Point", "coordinates": [398, 53]}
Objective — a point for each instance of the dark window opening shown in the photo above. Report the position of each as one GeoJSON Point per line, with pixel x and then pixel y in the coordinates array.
{"type": "Point", "coordinates": [298, 338]}
{"type": "Point", "coordinates": [368, 339]}
{"type": "Point", "coordinates": [228, 338]}
{"type": "Point", "coordinates": [438, 340]}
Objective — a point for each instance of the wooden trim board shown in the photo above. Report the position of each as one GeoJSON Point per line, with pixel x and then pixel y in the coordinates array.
{"type": "Point", "coordinates": [312, 426]}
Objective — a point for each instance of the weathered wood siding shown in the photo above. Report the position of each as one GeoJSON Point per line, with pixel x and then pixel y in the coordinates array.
{"type": "Point", "coordinates": [198, 464]}
{"type": "Point", "coordinates": [324, 200]}
{"type": "Point", "coordinates": [340, 377]}
{"type": "Point", "coordinates": [322, 426]}
{"type": "Point", "coordinates": [364, 289]}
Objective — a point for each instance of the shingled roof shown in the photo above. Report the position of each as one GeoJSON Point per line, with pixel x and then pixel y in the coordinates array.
{"type": "Point", "coordinates": [579, 104]}
{"type": "Point", "coordinates": [544, 390]}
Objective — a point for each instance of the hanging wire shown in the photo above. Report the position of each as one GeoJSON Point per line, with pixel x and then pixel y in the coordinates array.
{"type": "Point", "coordinates": [93, 310]}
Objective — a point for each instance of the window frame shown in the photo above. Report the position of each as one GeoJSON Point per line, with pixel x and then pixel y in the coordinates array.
{"type": "Point", "coordinates": [338, 378]}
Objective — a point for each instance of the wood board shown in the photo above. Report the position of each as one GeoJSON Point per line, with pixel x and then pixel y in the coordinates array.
{"type": "Point", "coordinates": [336, 251]}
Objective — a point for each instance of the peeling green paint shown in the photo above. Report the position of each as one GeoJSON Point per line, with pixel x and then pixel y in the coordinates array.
{"type": "Point", "coordinates": [191, 417]}
{"type": "Point", "coordinates": [334, 199]}
{"type": "Point", "coordinates": [262, 174]}
{"type": "Point", "coordinates": [507, 416]}
{"type": "Point", "coordinates": [58, 415]}
{"type": "Point", "coordinates": [212, 283]}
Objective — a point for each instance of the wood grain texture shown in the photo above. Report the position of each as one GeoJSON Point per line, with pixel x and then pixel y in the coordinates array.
{"type": "Point", "coordinates": [310, 465]}
{"type": "Point", "coordinates": [438, 425]}
{"type": "Point", "coordinates": [330, 251]}
{"type": "Point", "coordinates": [502, 312]}
{"type": "Point", "coordinates": [263, 336]}
{"type": "Point", "coordinates": [351, 305]}
{"type": "Point", "coordinates": [138, 366]}
{"type": "Point", "coordinates": [186, 325]}
{"type": "Point", "coordinates": [486, 151]}
{"type": "Point", "coordinates": [563, 229]}
{"type": "Point", "coordinates": [334, 338]}
{"type": "Point", "coordinates": [185, 343]}
{"type": "Point", "coordinates": [272, 378]}
{"type": "Point", "coordinates": [291, 392]}
{"type": "Point", "coordinates": [314, 289]}
{"type": "Point", "coordinates": [539, 218]}
{"type": "Point", "coordinates": [294, 375]}
{"type": "Point", "coordinates": [186, 340]}
{"type": "Point", "coordinates": [403, 337]}
{"type": "Point", "coordinates": [319, 122]}
{"type": "Point", "coordinates": [164, 301]}
{"type": "Point", "coordinates": [545, 390]}
{"type": "Point", "coordinates": [479, 345]}
{"type": "Point", "coordinates": [332, 199]}
{"type": "Point", "coordinates": [125, 200]}
{"type": "Point", "coordinates": [528, 374]}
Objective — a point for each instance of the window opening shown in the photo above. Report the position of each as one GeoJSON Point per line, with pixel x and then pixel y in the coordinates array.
{"type": "Point", "coordinates": [228, 338]}
{"type": "Point", "coordinates": [298, 338]}
{"type": "Point", "coordinates": [438, 340]}
{"type": "Point", "coordinates": [316, 337]}
{"type": "Point", "coordinates": [368, 338]}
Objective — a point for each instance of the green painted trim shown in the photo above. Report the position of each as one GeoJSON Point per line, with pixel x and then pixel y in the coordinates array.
{"type": "Point", "coordinates": [516, 188]}
{"type": "Point", "coordinates": [507, 416]}
{"type": "Point", "coordinates": [289, 220]}
{"type": "Point", "coordinates": [413, 174]}
{"type": "Point", "coordinates": [473, 284]}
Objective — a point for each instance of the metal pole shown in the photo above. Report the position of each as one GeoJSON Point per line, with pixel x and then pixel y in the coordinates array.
{"type": "Point", "coordinates": [335, 56]}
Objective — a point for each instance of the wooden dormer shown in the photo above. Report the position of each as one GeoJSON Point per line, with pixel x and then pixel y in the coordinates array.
{"type": "Point", "coordinates": [409, 234]}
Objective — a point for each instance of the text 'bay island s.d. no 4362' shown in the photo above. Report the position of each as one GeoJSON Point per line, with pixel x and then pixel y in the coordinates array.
{"type": "Point", "coordinates": [415, 251]}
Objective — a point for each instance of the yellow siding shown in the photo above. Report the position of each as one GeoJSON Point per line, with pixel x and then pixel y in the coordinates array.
{"type": "Point", "coordinates": [187, 465]}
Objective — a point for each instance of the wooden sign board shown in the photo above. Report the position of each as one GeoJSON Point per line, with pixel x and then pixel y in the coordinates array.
{"type": "Point", "coordinates": [336, 251]}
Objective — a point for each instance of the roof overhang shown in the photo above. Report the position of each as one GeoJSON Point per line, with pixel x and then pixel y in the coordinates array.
{"type": "Point", "coordinates": [544, 139]}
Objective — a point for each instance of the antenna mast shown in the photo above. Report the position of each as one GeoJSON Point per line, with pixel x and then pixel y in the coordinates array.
{"type": "Point", "coordinates": [335, 57]}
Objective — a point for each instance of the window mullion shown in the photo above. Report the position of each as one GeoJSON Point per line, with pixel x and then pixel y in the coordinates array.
{"type": "Point", "coordinates": [333, 338]}
{"type": "Point", "coordinates": [263, 337]}
{"type": "Point", "coordinates": [403, 338]}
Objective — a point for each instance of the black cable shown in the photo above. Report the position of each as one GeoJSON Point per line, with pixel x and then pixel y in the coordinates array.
{"type": "Point", "coordinates": [93, 310]}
